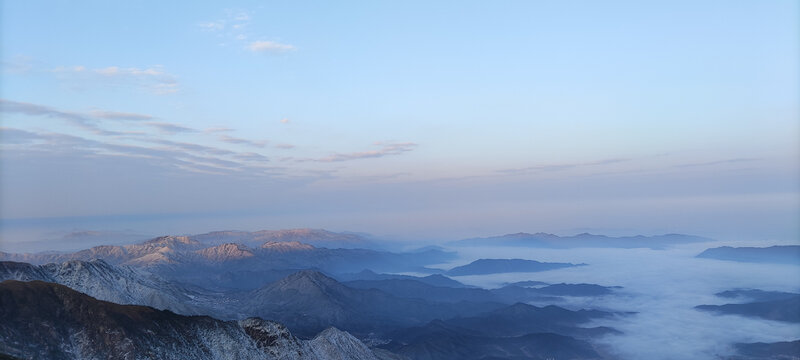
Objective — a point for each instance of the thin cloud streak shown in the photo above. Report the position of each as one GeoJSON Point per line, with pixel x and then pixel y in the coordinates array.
{"type": "Point", "coordinates": [270, 47]}
{"type": "Point", "coordinates": [560, 167]}
{"type": "Point", "coordinates": [386, 150]}
{"type": "Point", "coordinates": [113, 115]}
{"type": "Point", "coordinates": [170, 128]}
{"type": "Point", "coordinates": [78, 120]}
{"type": "Point", "coordinates": [90, 121]}
{"type": "Point", "coordinates": [171, 155]}
{"type": "Point", "coordinates": [217, 130]}
{"type": "Point", "coordinates": [154, 79]}
{"type": "Point", "coordinates": [718, 162]}
{"type": "Point", "coordinates": [241, 141]}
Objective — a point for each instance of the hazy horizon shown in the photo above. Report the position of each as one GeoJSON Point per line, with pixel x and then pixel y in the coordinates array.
{"type": "Point", "coordinates": [410, 121]}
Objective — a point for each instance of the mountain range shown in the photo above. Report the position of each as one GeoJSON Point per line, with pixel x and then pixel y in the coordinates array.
{"type": "Point", "coordinates": [584, 240]}
{"type": "Point", "coordinates": [209, 293]}
{"type": "Point", "coordinates": [236, 266]}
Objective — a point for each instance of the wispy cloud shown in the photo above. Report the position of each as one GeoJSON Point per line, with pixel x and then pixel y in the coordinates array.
{"type": "Point", "coordinates": [82, 121]}
{"type": "Point", "coordinates": [232, 29]}
{"type": "Point", "coordinates": [251, 156]}
{"type": "Point", "coordinates": [17, 65]}
{"type": "Point", "coordinates": [233, 19]}
{"type": "Point", "coordinates": [386, 149]}
{"type": "Point", "coordinates": [114, 115]}
{"type": "Point", "coordinates": [217, 130]}
{"type": "Point", "coordinates": [212, 25]}
{"type": "Point", "coordinates": [16, 136]}
{"type": "Point", "coordinates": [87, 121]}
{"type": "Point", "coordinates": [285, 121]}
{"type": "Point", "coordinates": [170, 128]}
{"type": "Point", "coordinates": [717, 162]}
{"type": "Point", "coordinates": [559, 167]}
{"type": "Point", "coordinates": [191, 147]}
{"type": "Point", "coordinates": [241, 141]}
{"type": "Point", "coordinates": [164, 153]}
{"type": "Point", "coordinates": [153, 79]}
{"type": "Point", "coordinates": [270, 47]}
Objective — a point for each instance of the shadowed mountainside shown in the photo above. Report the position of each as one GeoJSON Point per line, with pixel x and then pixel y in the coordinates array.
{"type": "Point", "coordinates": [308, 301]}
{"type": "Point", "coordinates": [46, 320]}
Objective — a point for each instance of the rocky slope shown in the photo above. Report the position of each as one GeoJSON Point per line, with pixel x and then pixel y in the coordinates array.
{"type": "Point", "coordinates": [47, 320]}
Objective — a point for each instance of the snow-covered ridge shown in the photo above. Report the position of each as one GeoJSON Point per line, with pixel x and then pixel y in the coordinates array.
{"type": "Point", "coordinates": [286, 246]}
{"type": "Point", "coordinates": [225, 252]}
{"type": "Point", "coordinates": [97, 278]}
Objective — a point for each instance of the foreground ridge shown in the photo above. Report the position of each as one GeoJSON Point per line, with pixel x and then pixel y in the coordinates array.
{"type": "Point", "coordinates": [51, 321]}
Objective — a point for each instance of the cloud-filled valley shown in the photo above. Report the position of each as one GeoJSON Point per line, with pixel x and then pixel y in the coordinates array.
{"type": "Point", "coordinates": [647, 297]}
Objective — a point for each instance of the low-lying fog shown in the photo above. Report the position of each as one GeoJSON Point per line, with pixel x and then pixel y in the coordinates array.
{"type": "Point", "coordinates": [662, 287]}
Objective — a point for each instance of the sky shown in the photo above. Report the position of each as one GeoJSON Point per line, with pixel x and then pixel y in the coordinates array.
{"type": "Point", "coordinates": [407, 120]}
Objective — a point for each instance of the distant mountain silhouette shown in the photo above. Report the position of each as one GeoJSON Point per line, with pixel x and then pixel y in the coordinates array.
{"type": "Point", "coordinates": [443, 341]}
{"type": "Point", "coordinates": [785, 254]}
{"type": "Point", "coordinates": [785, 350]}
{"type": "Point", "coordinates": [315, 237]}
{"type": "Point", "coordinates": [495, 266]}
{"type": "Point", "coordinates": [769, 305]}
{"type": "Point", "coordinates": [434, 279]}
{"type": "Point", "coordinates": [408, 288]}
{"type": "Point", "coordinates": [584, 240]}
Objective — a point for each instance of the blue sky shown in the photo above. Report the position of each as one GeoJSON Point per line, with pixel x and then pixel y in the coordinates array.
{"type": "Point", "coordinates": [404, 119]}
